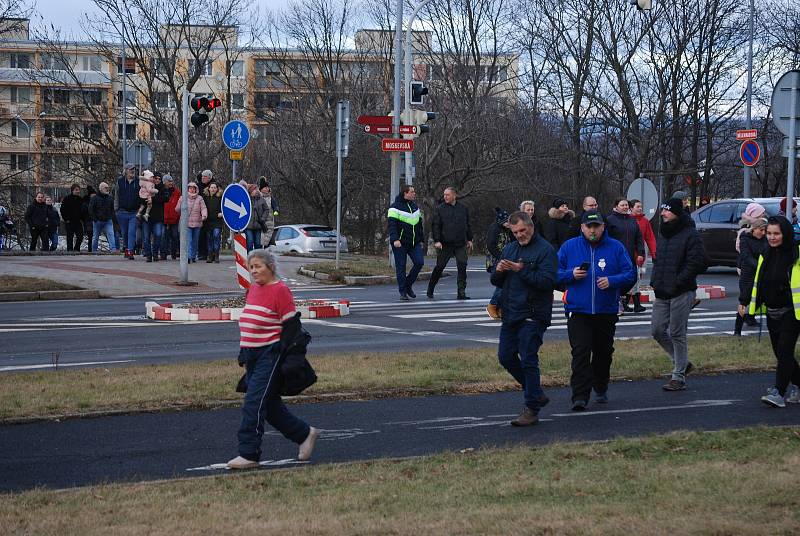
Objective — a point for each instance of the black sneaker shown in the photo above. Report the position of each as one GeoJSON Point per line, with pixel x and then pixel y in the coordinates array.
{"type": "Point", "coordinates": [689, 368]}
{"type": "Point", "coordinates": [430, 295]}
{"type": "Point", "coordinates": [463, 297]}
{"type": "Point", "coordinates": [578, 405]}
{"type": "Point", "coordinates": [410, 293]}
{"type": "Point", "coordinates": [601, 398]}
{"type": "Point", "coordinates": [404, 297]}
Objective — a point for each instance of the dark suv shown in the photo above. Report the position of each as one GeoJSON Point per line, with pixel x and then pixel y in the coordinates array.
{"type": "Point", "coordinates": [718, 224]}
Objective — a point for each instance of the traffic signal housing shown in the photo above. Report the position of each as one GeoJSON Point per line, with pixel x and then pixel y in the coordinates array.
{"type": "Point", "coordinates": [642, 5]}
{"type": "Point", "coordinates": [420, 119]}
{"type": "Point", "coordinates": [418, 92]}
{"type": "Point", "coordinates": [202, 106]}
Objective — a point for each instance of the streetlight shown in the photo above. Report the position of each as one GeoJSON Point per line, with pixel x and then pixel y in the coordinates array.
{"type": "Point", "coordinates": [29, 128]}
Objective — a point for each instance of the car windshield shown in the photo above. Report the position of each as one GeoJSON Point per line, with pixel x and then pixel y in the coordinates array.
{"type": "Point", "coordinates": [320, 232]}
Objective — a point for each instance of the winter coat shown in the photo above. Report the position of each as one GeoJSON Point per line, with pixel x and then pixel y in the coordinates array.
{"type": "Point", "coordinates": [71, 208]}
{"type": "Point", "coordinates": [197, 211]}
{"type": "Point", "coordinates": [681, 258]}
{"type": "Point", "coordinates": [214, 208]}
{"type": "Point", "coordinates": [606, 258]}
{"type": "Point", "coordinates": [648, 236]}
{"type": "Point", "coordinates": [556, 226]}
{"type": "Point", "coordinates": [171, 198]}
{"type": "Point", "coordinates": [36, 215]}
{"type": "Point", "coordinates": [405, 223]}
{"type": "Point", "coordinates": [157, 206]}
{"type": "Point", "coordinates": [101, 207]}
{"type": "Point", "coordinates": [260, 214]}
{"type": "Point", "coordinates": [451, 225]}
{"type": "Point", "coordinates": [529, 292]}
{"type": "Point", "coordinates": [497, 237]}
{"type": "Point", "coordinates": [750, 248]}
{"type": "Point", "coordinates": [53, 219]}
{"type": "Point", "coordinates": [128, 194]}
{"type": "Point", "coordinates": [623, 227]}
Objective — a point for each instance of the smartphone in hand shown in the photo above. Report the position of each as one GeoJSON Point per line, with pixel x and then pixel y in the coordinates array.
{"type": "Point", "coordinates": [584, 266]}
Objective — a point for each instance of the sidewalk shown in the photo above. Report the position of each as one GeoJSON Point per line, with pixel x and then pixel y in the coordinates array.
{"type": "Point", "coordinates": [113, 275]}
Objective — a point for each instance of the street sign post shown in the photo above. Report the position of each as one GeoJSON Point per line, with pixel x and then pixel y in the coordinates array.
{"type": "Point", "coordinates": [645, 191]}
{"type": "Point", "coordinates": [397, 145]}
{"type": "Point", "coordinates": [746, 134]}
{"type": "Point", "coordinates": [236, 207]}
{"type": "Point", "coordinates": [237, 154]}
{"type": "Point", "coordinates": [750, 152]}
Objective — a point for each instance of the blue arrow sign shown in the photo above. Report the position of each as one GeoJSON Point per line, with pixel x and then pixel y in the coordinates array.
{"type": "Point", "coordinates": [750, 152]}
{"type": "Point", "coordinates": [236, 207]}
{"type": "Point", "coordinates": [235, 135]}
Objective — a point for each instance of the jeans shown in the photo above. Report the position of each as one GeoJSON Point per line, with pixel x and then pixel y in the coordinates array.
{"type": "Point", "coordinates": [106, 227]}
{"type": "Point", "coordinates": [669, 324]}
{"type": "Point", "coordinates": [253, 239]}
{"type": "Point", "coordinates": [262, 402]}
{"type": "Point", "coordinates": [783, 333]}
{"type": "Point", "coordinates": [202, 246]}
{"type": "Point", "coordinates": [194, 237]}
{"type": "Point", "coordinates": [405, 282]}
{"type": "Point", "coordinates": [592, 340]}
{"type": "Point", "coordinates": [127, 224]}
{"type": "Point", "coordinates": [151, 236]}
{"type": "Point", "coordinates": [213, 235]}
{"type": "Point", "coordinates": [442, 258]}
{"type": "Point", "coordinates": [53, 234]}
{"type": "Point", "coordinates": [171, 240]}
{"type": "Point", "coordinates": [74, 235]}
{"type": "Point", "coordinates": [518, 353]}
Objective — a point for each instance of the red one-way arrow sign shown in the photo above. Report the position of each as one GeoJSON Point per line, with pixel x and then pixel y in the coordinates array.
{"type": "Point", "coordinates": [375, 120]}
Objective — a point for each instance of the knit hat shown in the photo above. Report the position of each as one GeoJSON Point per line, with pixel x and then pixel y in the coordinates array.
{"type": "Point", "coordinates": [754, 211]}
{"type": "Point", "coordinates": [146, 175]}
{"type": "Point", "coordinates": [680, 194]}
{"type": "Point", "coordinates": [167, 178]}
{"type": "Point", "coordinates": [784, 201]}
{"type": "Point", "coordinates": [251, 188]}
{"type": "Point", "coordinates": [262, 182]}
{"type": "Point", "coordinates": [191, 184]}
{"type": "Point", "coordinates": [674, 205]}
{"type": "Point", "coordinates": [558, 201]}
{"type": "Point", "coordinates": [500, 215]}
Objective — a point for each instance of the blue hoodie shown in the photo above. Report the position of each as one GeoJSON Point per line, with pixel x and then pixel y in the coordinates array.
{"type": "Point", "coordinates": [606, 259]}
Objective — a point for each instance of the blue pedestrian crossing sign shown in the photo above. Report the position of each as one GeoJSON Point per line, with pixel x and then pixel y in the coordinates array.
{"type": "Point", "coordinates": [236, 207]}
{"type": "Point", "coordinates": [235, 135]}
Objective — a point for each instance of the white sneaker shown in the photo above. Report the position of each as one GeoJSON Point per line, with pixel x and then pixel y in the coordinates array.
{"type": "Point", "coordinates": [241, 463]}
{"type": "Point", "coordinates": [793, 396]}
{"type": "Point", "coordinates": [307, 446]}
{"type": "Point", "coordinates": [773, 398]}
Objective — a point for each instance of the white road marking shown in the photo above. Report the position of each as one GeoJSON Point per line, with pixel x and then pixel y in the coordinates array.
{"type": "Point", "coordinates": [264, 463]}
{"type": "Point", "coordinates": [370, 327]}
{"type": "Point", "coordinates": [60, 365]}
{"type": "Point", "coordinates": [692, 404]}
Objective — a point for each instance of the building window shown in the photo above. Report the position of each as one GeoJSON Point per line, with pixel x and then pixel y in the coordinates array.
{"type": "Point", "coordinates": [164, 99]}
{"type": "Point", "coordinates": [130, 65]}
{"type": "Point", "coordinates": [161, 66]}
{"type": "Point", "coordinates": [130, 131]}
{"type": "Point", "coordinates": [203, 66]}
{"type": "Point", "coordinates": [21, 95]}
{"type": "Point", "coordinates": [236, 67]}
{"type": "Point", "coordinates": [20, 61]}
{"type": "Point", "coordinates": [92, 131]}
{"type": "Point", "coordinates": [19, 130]}
{"type": "Point", "coordinates": [436, 72]}
{"type": "Point", "coordinates": [55, 96]}
{"type": "Point", "coordinates": [237, 101]}
{"type": "Point", "coordinates": [56, 129]}
{"type": "Point", "coordinates": [92, 163]}
{"type": "Point", "coordinates": [91, 63]}
{"type": "Point", "coordinates": [130, 99]}
{"type": "Point", "coordinates": [20, 162]}
{"type": "Point", "coordinates": [93, 97]}
{"type": "Point", "coordinates": [55, 63]}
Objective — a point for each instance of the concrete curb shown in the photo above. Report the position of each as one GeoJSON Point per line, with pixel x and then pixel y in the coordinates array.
{"type": "Point", "coordinates": [362, 279]}
{"type": "Point", "coordinates": [307, 308]}
{"type": "Point", "coordinates": [50, 295]}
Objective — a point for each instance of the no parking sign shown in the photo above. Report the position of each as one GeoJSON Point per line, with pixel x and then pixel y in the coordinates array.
{"type": "Point", "coordinates": [750, 152]}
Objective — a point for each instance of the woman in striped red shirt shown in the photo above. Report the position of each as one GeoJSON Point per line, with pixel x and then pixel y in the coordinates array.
{"type": "Point", "coordinates": [269, 303]}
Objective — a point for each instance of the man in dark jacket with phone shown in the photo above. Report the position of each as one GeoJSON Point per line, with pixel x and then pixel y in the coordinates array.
{"type": "Point", "coordinates": [681, 258]}
{"type": "Point", "coordinates": [406, 236]}
{"type": "Point", "coordinates": [527, 274]}
{"type": "Point", "coordinates": [452, 236]}
{"type": "Point", "coordinates": [593, 267]}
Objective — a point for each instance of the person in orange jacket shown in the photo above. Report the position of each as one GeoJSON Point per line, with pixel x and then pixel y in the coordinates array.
{"type": "Point", "coordinates": [649, 238]}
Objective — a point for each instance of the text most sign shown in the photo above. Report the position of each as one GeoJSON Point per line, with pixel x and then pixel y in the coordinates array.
{"type": "Point", "coordinates": [749, 134]}
{"type": "Point", "coordinates": [392, 144]}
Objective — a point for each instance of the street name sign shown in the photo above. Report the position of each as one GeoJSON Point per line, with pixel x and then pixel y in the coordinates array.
{"type": "Point", "coordinates": [372, 129]}
{"type": "Point", "coordinates": [750, 152]}
{"type": "Point", "coordinates": [236, 207]}
{"type": "Point", "coordinates": [408, 129]}
{"type": "Point", "coordinates": [235, 135]}
{"type": "Point", "coordinates": [747, 134]}
{"type": "Point", "coordinates": [392, 144]}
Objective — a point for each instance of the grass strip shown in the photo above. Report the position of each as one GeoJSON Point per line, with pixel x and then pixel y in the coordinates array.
{"type": "Point", "coordinates": [16, 283]}
{"type": "Point", "coordinates": [204, 384]}
{"type": "Point", "coordinates": [359, 266]}
{"type": "Point", "coordinates": [727, 482]}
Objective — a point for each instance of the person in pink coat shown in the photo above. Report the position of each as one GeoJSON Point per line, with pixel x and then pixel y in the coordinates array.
{"type": "Point", "coordinates": [197, 213]}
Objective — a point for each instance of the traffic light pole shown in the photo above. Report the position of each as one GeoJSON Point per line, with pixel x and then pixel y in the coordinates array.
{"type": "Point", "coordinates": [407, 78]}
{"type": "Point", "coordinates": [184, 224]}
{"type": "Point", "coordinates": [394, 187]}
{"type": "Point", "coordinates": [749, 123]}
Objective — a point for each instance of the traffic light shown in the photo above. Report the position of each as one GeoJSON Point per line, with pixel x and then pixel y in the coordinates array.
{"type": "Point", "coordinates": [642, 5]}
{"type": "Point", "coordinates": [418, 118]}
{"type": "Point", "coordinates": [202, 106]}
{"type": "Point", "coordinates": [418, 92]}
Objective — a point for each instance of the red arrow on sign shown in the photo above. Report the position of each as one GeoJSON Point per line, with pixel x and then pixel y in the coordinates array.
{"type": "Point", "coordinates": [371, 129]}
{"type": "Point", "coordinates": [392, 144]}
{"type": "Point", "coordinates": [375, 120]}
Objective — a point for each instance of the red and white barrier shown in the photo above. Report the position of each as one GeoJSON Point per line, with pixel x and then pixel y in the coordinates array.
{"type": "Point", "coordinates": [703, 292]}
{"type": "Point", "coordinates": [240, 256]}
{"type": "Point", "coordinates": [306, 308]}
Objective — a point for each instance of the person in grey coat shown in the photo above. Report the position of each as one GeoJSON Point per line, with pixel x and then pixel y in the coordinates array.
{"type": "Point", "coordinates": [258, 219]}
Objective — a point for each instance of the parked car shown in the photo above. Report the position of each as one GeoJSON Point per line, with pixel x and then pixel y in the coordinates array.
{"type": "Point", "coordinates": [718, 224]}
{"type": "Point", "coordinates": [307, 238]}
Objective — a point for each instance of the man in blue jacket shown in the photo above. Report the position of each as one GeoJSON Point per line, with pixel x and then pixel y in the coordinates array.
{"type": "Point", "coordinates": [527, 274]}
{"type": "Point", "coordinates": [593, 267]}
{"type": "Point", "coordinates": [406, 236]}
{"type": "Point", "coordinates": [128, 203]}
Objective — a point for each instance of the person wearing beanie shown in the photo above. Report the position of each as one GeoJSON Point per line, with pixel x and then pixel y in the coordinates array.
{"type": "Point", "coordinates": [681, 258]}
{"type": "Point", "coordinates": [197, 214]}
{"type": "Point", "coordinates": [753, 243]}
{"type": "Point", "coordinates": [752, 212]}
{"type": "Point", "coordinates": [258, 218]}
{"type": "Point", "coordinates": [556, 226]}
{"type": "Point", "coordinates": [774, 295]}
{"type": "Point", "coordinates": [498, 235]}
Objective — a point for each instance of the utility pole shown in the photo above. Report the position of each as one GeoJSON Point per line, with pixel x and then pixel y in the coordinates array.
{"type": "Point", "coordinates": [407, 57]}
{"type": "Point", "coordinates": [184, 223]}
{"type": "Point", "coordinates": [749, 123]}
{"type": "Point", "coordinates": [398, 59]}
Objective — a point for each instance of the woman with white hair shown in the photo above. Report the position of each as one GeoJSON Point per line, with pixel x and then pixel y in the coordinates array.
{"type": "Point", "coordinates": [268, 305]}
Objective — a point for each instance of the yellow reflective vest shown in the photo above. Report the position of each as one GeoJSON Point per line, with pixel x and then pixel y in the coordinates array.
{"type": "Point", "coordinates": [794, 283]}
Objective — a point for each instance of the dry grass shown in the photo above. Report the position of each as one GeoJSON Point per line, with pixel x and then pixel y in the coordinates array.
{"type": "Point", "coordinates": [359, 375]}
{"type": "Point", "coordinates": [15, 283]}
{"type": "Point", "coordinates": [364, 265]}
{"type": "Point", "coordinates": [729, 482]}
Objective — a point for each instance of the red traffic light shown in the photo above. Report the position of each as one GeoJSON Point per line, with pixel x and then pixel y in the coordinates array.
{"type": "Point", "coordinates": [212, 103]}
{"type": "Point", "coordinates": [199, 103]}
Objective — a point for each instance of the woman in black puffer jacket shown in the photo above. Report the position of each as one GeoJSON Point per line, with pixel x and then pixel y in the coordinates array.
{"type": "Point", "coordinates": [752, 243]}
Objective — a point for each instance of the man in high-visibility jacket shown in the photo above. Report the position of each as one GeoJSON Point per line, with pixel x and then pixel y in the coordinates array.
{"type": "Point", "coordinates": [407, 237]}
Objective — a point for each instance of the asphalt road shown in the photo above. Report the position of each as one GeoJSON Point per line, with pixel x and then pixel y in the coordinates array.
{"type": "Point", "coordinates": [167, 445]}
{"type": "Point", "coordinates": [115, 331]}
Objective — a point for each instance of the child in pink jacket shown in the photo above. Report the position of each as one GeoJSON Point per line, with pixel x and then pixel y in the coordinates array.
{"type": "Point", "coordinates": [197, 214]}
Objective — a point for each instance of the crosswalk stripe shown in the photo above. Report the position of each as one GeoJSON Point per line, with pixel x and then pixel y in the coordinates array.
{"type": "Point", "coordinates": [561, 323]}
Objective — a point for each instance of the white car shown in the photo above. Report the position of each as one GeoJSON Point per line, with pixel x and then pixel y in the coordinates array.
{"type": "Point", "coordinates": [307, 238]}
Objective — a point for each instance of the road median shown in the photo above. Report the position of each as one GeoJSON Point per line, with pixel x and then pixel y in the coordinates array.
{"type": "Point", "coordinates": [15, 288]}
{"type": "Point", "coordinates": [63, 393]}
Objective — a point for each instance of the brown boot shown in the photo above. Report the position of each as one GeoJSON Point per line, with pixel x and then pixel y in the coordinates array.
{"type": "Point", "coordinates": [527, 418]}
